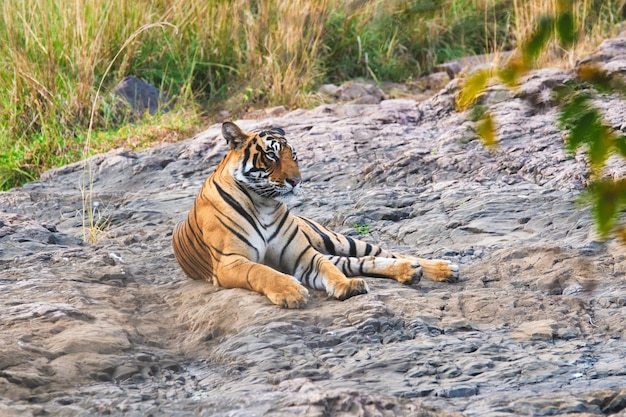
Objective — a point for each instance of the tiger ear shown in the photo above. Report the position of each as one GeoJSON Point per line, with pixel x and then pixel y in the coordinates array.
{"type": "Point", "coordinates": [234, 136]}
{"type": "Point", "coordinates": [278, 130]}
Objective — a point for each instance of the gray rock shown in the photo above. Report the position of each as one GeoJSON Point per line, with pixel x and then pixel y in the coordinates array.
{"type": "Point", "coordinates": [610, 55]}
{"type": "Point", "coordinates": [470, 64]}
{"type": "Point", "coordinates": [141, 96]}
{"type": "Point", "coordinates": [355, 92]}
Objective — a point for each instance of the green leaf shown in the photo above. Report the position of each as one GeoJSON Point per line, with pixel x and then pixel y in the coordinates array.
{"type": "Point", "coordinates": [619, 141]}
{"type": "Point", "coordinates": [618, 85]}
{"type": "Point", "coordinates": [538, 39]}
{"type": "Point", "coordinates": [473, 87]}
{"type": "Point", "coordinates": [588, 129]}
{"type": "Point", "coordinates": [601, 80]}
{"type": "Point", "coordinates": [477, 112]}
{"type": "Point", "coordinates": [562, 94]}
{"type": "Point", "coordinates": [596, 76]}
{"type": "Point", "coordinates": [512, 71]}
{"type": "Point", "coordinates": [608, 198]}
{"type": "Point", "coordinates": [566, 29]}
{"type": "Point", "coordinates": [604, 206]}
{"type": "Point", "coordinates": [576, 106]}
{"type": "Point", "coordinates": [585, 126]}
{"type": "Point", "coordinates": [486, 129]}
{"type": "Point", "coordinates": [600, 145]}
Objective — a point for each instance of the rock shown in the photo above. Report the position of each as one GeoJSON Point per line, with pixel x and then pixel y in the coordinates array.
{"type": "Point", "coordinates": [88, 338]}
{"type": "Point", "coordinates": [355, 92]}
{"type": "Point", "coordinates": [436, 81]}
{"type": "Point", "coordinates": [141, 96]}
{"type": "Point", "coordinates": [329, 90]}
{"type": "Point", "coordinates": [534, 327]}
{"type": "Point", "coordinates": [610, 56]}
{"type": "Point", "coordinates": [536, 330]}
{"type": "Point", "coordinates": [276, 111]}
{"type": "Point", "coordinates": [609, 401]}
{"type": "Point", "coordinates": [257, 114]}
{"type": "Point", "coordinates": [124, 372]}
{"type": "Point", "coordinates": [470, 64]}
{"type": "Point", "coordinates": [458, 391]}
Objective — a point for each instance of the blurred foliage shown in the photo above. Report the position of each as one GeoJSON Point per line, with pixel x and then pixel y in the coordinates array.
{"type": "Point", "coordinates": [486, 130]}
{"type": "Point", "coordinates": [578, 117]}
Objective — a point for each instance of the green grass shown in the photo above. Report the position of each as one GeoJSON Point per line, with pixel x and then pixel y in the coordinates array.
{"type": "Point", "coordinates": [363, 229]}
{"type": "Point", "coordinates": [218, 54]}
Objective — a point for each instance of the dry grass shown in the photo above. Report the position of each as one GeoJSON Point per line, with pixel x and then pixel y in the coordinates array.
{"type": "Point", "coordinates": [237, 54]}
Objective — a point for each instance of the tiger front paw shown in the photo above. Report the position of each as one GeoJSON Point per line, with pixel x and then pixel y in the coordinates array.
{"type": "Point", "coordinates": [291, 296]}
{"type": "Point", "coordinates": [348, 288]}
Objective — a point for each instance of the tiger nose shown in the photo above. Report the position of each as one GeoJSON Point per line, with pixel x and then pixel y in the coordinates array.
{"type": "Point", "coordinates": [293, 181]}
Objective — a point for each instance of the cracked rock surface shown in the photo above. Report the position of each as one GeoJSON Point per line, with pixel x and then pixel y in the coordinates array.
{"type": "Point", "coordinates": [534, 327]}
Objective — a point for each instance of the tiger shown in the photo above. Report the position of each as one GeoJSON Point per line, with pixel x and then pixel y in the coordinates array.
{"type": "Point", "coordinates": [239, 232]}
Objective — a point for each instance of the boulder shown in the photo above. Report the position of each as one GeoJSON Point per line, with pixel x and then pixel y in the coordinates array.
{"type": "Point", "coordinates": [141, 96]}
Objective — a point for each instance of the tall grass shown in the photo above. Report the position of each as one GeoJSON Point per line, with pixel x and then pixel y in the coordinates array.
{"type": "Point", "coordinates": [233, 54]}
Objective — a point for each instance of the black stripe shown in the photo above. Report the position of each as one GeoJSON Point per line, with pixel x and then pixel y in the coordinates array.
{"type": "Point", "coordinates": [320, 259]}
{"type": "Point", "coordinates": [309, 270]}
{"type": "Point", "coordinates": [328, 243]}
{"type": "Point", "coordinates": [346, 267]}
{"type": "Point", "coordinates": [344, 270]}
{"type": "Point", "coordinates": [359, 261]}
{"type": "Point", "coordinates": [246, 155]}
{"type": "Point", "coordinates": [368, 249]}
{"type": "Point", "coordinates": [280, 226]}
{"type": "Point", "coordinates": [190, 258]}
{"type": "Point", "coordinates": [239, 236]}
{"type": "Point", "coordinates": [306, 277]}
{"type": "Point", "coordinates": [224, 215]}
{"type": "Point", "coordinates": [190, 230]}
{"type": "Point", "coordinates": [195, 216]}
{"type": "Point", "coordinates": [352, 251]}
{"type": "Point", "coordinates": [243, 190]}
{"type": "Point", "coordinates": [291, 238]}
{"type": "Point", "coordinates": [197, 252]}
{"type": "Point", "coordinates": [301, 255]}
{"type": "Point", "coordinates": [219, 252]}
{"type": "Point", "coordinates": [308, 239]}
{"type": "Point", "coordinates": [260, 152]}
{"type": "Point", "coordinates": [238, 208]}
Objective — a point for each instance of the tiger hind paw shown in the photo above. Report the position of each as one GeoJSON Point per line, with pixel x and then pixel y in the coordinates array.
{"type": "Point", "coordinates": [409, 273]}
{"type": "Point", "coordinates": [441, 270]}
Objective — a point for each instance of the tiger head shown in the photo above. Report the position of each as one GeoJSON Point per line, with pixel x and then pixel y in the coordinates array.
{"type": "Point", "coordinates": [263, 161]}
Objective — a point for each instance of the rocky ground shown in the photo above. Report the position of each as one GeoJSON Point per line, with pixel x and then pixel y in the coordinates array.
{"type": "Point", "coordinates": [534, 327]}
